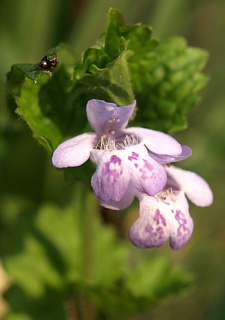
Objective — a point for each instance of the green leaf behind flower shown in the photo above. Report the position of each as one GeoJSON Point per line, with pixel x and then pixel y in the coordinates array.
{"type": "Point", "coordinates": [124, 64]}
{"type": "Point", "coordinates": [66, 255]}
{"type": "Point", "coordinates": [174, 85]}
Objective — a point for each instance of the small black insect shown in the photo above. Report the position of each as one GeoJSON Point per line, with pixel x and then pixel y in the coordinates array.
{"type": "Point", "coordinates": [48, 63]}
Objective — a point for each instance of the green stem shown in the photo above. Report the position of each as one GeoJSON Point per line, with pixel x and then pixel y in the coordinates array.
{"type": "Point", "coordinates": [88, 306]}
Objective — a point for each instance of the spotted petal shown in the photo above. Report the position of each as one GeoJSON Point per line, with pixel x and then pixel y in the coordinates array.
{"type": "Point", "coordinates": [162, 218]}
{"type": "Point", "coordinates": [147, 175]}
{"type": "Point", "coordinates": [75, 151]}
{"type": "Point", "coordinates": [99, 113]}
{"type": "Point", "coordinates": [111, 178]}
{"type": "Point", "coordinates": [151, 228]}
{"type": "Point", "coordinates": [125, 201]}
{"type": "Point", "coordinates": [181, 224]}
{"type": "Point", "coordinates": [117, 168]}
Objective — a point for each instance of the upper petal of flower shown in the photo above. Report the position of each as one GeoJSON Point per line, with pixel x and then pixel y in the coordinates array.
{"type": "Point", "coordinates": [163, 159]}
{"type": "Point", "coordinates": [161, 218]}
{"type": "Point", "coordinates": [195, 187]}
{"type": "Point", "coordinates": [75, 151]}
{"type": "Point", "coordinates": [156, 141]}
{"type": "Point", "coordinates": [100, 112]}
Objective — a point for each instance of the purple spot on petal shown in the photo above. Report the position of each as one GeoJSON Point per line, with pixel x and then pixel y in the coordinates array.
{"type": "Point", "coordinates": [146, 169]}
{"type": "Point", "coordinates": [112, 169]}
{"type": "Point", "coordinates": [160, 232]}
{"type": "Point", "coordinates": [158, 218]}
{"type": "Point", "coordinates": [148, 228]}
{"type": "Point", "coordinates": [183, 231]}
{"type": "Point", "coordinates": [143, 172]}
{"type": "Point", "coordinates": [147, 165]}
{"type": "Point", "coordinates": [134, 156]}
{"type": "Point", "coordinates": [115, 159]}
{"type": "Point", "coordinates": [154, 237]}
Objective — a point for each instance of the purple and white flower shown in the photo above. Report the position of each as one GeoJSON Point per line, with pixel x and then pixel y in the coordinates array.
{"type": "Point", "coordinates": [166, 215]}
{"type": "Point", "coordinates": [129, 160]}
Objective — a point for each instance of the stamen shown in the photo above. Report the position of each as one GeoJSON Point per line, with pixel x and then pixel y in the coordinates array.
{"type": "Point", "coordinates": [106, 144]}
{"type": "Point", "coordinates": [163, 195]}
{"type": "Point", "coordinates": [109, 123]}
{"type": "Point", "coordinates": [127, 142]}
{"type": "Point", "coordinates": [112, 144]}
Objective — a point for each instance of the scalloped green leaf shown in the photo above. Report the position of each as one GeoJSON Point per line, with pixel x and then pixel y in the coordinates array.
{"type": "Point", "coordinates": [117, 76]}
{"type": "Point", "coordinates": [124, 64]}
{"type": "Point", "coordinates": [26, 96]}
{"type": "Point", "coordinates": [144, 286]}
{"type": "Point", "coordinates": [111, 67]}
{"type": "Point", "coordinates": [62, 254]}
{"type": "Point", "coordinates": [30, 71]}
{"type": "Point", "coordinates": [173, 86]}
{"type": "Point", "coordinates": [42, 103]}
{"type": "Point", "coordinates": [33, 71]}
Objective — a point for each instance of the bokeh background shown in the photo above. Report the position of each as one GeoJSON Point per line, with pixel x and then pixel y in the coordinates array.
{"type": "Point", "coordinates": [28, 29]}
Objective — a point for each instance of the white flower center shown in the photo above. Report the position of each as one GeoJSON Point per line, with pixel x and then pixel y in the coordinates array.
{"type": "Point", "coordinates": [117, 144]}
{"type": "Point", "coordinates": [166, 195]}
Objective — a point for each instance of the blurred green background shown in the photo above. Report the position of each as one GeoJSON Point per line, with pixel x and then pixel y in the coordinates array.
{"type": "Point", "coordinates": [28, 29]}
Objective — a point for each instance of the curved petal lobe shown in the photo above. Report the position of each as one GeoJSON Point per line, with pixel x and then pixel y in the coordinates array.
{"type": "Point", "coordinates": [151, 229]}
{"type": "Point", "coordinates": [146, 174]}
{"type": "Point", "coordinates": [164, 159]}
{"type": "Point", "coordinates": [195, 187]}
{"type": "Point", "coordinates": [181, 223]}
{"type": "Point", "coordinates": [125, 201]}
{"type": "Point", "coordinates": [111, 178]}
{"type": "Point", "coordinates": [162, 217]}
{"type": "Point", "coordinates": [74, 152]}
{"type": "Point", "coordinates": [156, 141]}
